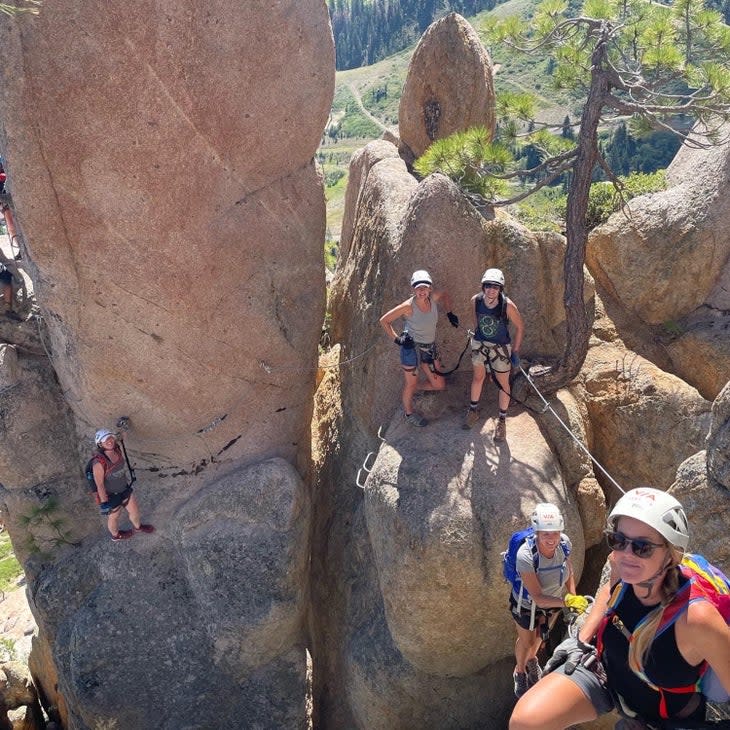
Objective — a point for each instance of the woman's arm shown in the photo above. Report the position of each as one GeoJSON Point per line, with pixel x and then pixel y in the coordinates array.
{"type": "Point", "coordinates": [570, 583]}
{"type": "Point", "coordinates": [514, 316]}
{"type": "Point", "coordinates": [703, 634]}
{"type": "Point", "coordinates": [386, 321]}
{"type": "Point", "coordinates": [532, 584]}
{"type": "Point", "coordinates": [441, 295]}
{"type": "Point", "coordinates": [98, 471]}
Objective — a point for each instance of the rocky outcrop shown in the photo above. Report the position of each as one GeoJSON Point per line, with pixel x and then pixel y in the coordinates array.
{"type": "Point", "coordinates": [19, 706]}
{"type": "Point", "coordinates": [406, 571]}
{"type": "Point", "coordinates": [168, 208]}
{"type": "Point", "coordinates": [449, 87]}
{"type": "Point", "coordinates": [415, 521]}
{"type": "Point", "coordinates": [438, 520]}
{"type": "Point", "coordinates": [668, 264]}
{"type": "Point", "coordinates": [718, 440]}
{"type": "Point", "coordinates": [174, 219]}
{"type": "Point", "coordinates": [643, 421]}
{"type": "Point", "coordinates": [221, 592]}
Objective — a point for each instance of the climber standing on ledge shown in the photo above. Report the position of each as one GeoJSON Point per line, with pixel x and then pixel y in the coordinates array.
{"type": "Point", "coordinates": [417, 341]}
{"type": "Point", "coordinates": [112, 487]}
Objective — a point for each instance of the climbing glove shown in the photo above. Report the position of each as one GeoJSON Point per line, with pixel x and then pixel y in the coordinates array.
{"type": "Point", "coordinates": [571, 653]}
{"type": "Point", "coordinates": [453, 319]}
{"type": "Point", "coordinates": [579, 604]}
{"type": "Point", "coordinates": [405, 340]}
{"type": "Point", "coordinates": [514, 359]}
{"type": "Point", "coordinates": [104, 508]}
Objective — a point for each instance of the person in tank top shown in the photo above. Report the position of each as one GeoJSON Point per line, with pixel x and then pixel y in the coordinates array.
{"type": "Point", "coordinates": [417, 341]}
{"type": "Point", "coordinates": [114, 491]}
{"type": "Point", "coordinates": [492, 347]}
{"type": "Point", "coordinates": [648, 534]}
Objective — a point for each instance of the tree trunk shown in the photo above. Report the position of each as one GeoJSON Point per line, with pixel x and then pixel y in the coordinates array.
{"type": "Point", "coordinates": [578, 318]}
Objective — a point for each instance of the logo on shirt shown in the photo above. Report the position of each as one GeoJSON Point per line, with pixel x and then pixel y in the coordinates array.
{"type": "Point", "coordinates": [488, 325]}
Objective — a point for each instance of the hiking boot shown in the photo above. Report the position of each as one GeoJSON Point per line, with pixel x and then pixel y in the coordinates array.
{"type": "Point", "coordinates": [144, 528]}
{"type": "Point", "coordinates": [534, 672]}
{"type": "Point", "coordinates": [471, 417]}
{"type": "Point", "coordinates": [415, 420]}
{"type": "Point", "coordinates": [521, 685]}
{"type": "Point", "coordinates": [123, 535]}
{"type": "Point", "coordinates": [500, 430]}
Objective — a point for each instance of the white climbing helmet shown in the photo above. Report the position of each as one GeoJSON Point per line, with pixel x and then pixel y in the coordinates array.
{"type": "Point", "coordinates": [547, 518]}
{"type": "Point", "coordinates": [101, 434]}
{"type": "Point", "coordinates": [656, 509]}
{"type": "Point", "coordinates": [493, 276]}
{"type": "Point", "coordinates": [421, 277]}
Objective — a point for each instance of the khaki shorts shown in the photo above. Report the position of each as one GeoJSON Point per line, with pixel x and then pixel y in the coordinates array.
{"type": "Point", "coordinates": [498, 355]}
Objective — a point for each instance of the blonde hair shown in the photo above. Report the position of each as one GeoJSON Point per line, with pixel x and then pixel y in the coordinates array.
{"type": "Point", "coordinates": [642, 638]}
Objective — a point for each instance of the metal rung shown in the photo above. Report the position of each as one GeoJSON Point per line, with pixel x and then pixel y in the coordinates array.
{"type": "Point", "coordinates": [364, 464]}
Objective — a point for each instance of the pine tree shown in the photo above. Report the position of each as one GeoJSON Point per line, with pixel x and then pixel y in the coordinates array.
{"type": "Point", "coordinates": [624, 58]}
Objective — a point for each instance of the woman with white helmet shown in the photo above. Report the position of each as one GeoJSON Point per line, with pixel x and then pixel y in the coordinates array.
{"type": "Point", "coordinates": [112, 488]}
{"type": "Point", "coordinates": [648, 534]}
{"type": "Point", "coordinates": [546, 572]}
{"type": "Point", "coordinates": [492, 347]}
{"type": "Point", "coordinates": [418, 351]}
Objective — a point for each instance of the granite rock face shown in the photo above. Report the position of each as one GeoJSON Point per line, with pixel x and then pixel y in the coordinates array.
{"type": "Point", "coordinates": [173, 218]}
{"type": "Point", "coordinates": [168, 208]}
{"type": "Point", "coordinates": [668, 264]}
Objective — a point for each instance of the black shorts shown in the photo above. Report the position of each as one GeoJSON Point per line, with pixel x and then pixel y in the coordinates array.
{"type": "Point", "coordinates": [524, 616]}
{"type": "Point", "coordinates": [120, 499]}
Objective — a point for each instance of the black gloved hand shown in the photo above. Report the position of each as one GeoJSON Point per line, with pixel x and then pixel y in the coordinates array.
{"type": "Point", "coordinates": [453, 319]}
{"type": "Point", "coordinates": [571, 652]}
{"type": "Point", "coordinates": [404, 339]}
{"type": "Point", "coordinates": [104, 508]}
{"type": "Point", "coordinates": [514, 359]}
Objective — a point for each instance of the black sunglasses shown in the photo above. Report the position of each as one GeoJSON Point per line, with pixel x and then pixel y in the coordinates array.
{"type": "Point", "coordinates": [641, 548]}
{"type": "Point", "coordinates": [491, 285]}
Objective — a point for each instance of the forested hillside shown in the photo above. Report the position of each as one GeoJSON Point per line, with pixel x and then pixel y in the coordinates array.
{"type": "Point", "coordinates": [367, 31]}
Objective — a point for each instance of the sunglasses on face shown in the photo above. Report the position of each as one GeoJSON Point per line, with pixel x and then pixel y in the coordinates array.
{"type": "Point", "coordinates": [641, 548]}
{"type": "Point", "coordinates": [490, 286]}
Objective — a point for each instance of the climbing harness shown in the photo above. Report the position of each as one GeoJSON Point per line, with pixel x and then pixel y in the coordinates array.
{"type": "Point", "coordinates": [443, 374]}
{"type": "Point", "coordinates": [493, 378]}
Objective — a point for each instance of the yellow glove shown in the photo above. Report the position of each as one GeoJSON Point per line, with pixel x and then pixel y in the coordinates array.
{"type": "Point", "coordinates": [576, 603]}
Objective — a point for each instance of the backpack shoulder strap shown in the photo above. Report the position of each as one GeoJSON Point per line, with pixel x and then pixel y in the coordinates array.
{"type": "Point", "coordinates": [532, 544]}
{"type": "Point", "coordinates": [103, 459]}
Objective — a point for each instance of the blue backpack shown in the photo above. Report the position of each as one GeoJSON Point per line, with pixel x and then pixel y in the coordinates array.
{"type": "Point", "coordinates": [509, 562]}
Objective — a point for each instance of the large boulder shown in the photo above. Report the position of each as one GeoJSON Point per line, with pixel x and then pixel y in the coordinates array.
{"type": "Point", "coordinates": [222, 594]}
{"type": "Point", "coordinates": [449, 87]}
{"type": "Point", "coordinates": [438, 519]}
{"type": "Point", "coordinates": [664, 256]}
{"type": "Point", "coordinates": [644, 422]}
{"type": "Point", "coordinates": [701, 354]}
{"type": "Point", "coordinates": [168, 208]}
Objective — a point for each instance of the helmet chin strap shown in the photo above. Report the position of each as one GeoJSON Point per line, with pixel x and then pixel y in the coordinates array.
{"type": "Point", "coordinates": [649, 583]}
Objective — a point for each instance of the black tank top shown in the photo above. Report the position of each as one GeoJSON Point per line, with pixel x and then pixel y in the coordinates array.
{"type": "Point", "coordinates": [491, 324]}
{"type": "Point", "coordinates": [665, 666]}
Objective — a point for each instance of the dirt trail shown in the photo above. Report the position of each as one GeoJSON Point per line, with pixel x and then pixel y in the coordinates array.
{"type": "Point", "coordinates": [366, 112]}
